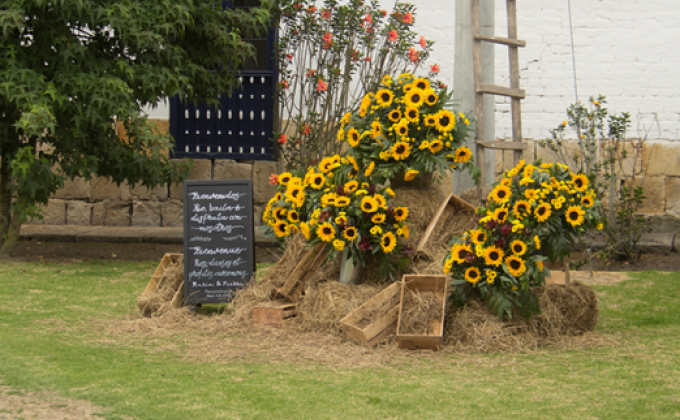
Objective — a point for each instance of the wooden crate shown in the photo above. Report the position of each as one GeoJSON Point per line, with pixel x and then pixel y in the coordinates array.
{"type": "Point", "coordinates": [309, 263]}
{"type": "Point", "coordinates": [381, 327]}
{"type": "Point", "coordinates": [426, 285]}
{"type": "Point", "coordinates": [451, 204]}
{"type": "Point", "coordinates": [273, 313]}
{"type": "Point", "coordinates": [155, 283]}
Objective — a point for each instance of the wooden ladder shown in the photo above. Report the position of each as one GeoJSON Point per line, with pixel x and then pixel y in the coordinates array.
{"type": "Point", "coordinates": [481, 88]}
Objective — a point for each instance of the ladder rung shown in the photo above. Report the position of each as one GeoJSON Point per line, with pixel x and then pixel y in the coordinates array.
{"type": "Point", "coordinates": [507, 145]}
{"type": "Point", "coordinates": [501, 40]}
{"type": "Point", "coordinates": [499, 90]}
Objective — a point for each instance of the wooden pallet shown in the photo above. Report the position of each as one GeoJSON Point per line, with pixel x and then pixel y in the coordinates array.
{"type": "Point", "coordinates": [309, 263]}
{"type": "Point", "coordinates": [157, 280]}
{"type": "Point", "coordinates": [382, 327]}
{"type": "Point", "coordinates": [451, 205]}
{"type": "Point", "coordinates": [273, 313]}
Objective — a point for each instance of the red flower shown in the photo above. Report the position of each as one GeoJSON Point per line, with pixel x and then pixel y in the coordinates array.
{"type": "Point", "coordinates": [273, 179]}
{"type": "Point", "coordinates": [297, 6]}
{"type": "Point", "coordinates": [285, 84]}
{"type": "Point", "coordinates": [408, 18]}
{"type": "Point", "coordinates": [327, 39]}
{"type": "Point", "coordinates": [283, 139]}
{"type": "Point", "coordinates": [506, 229]}
{"type": "Point", "coordinates": [310, 73]}
{"type": "Point", "coordinates": [368, 59]}
{"type": "Point", "coordinates": [368, 19]}
{"type": "Point", "coordinates": [311, 10]}
{"type": "Point", "coordinates": [393, 36]}
{"type": "Point", "coordinates": [298, 141]}
{"type": "Point", "coordinates": [383, 12]}
{"type": "Point", "coordinates": [435, 68]}
{"type": "Point", "coordinates": [413, 55]}
{"type": "Point", "coordinates": [326, 14]}
{"type": "Point", "coordinates": [306, 130]}
{"type": "Point", "coordinates": [321, 86]}
{"type": "Point", "coordinates": [289, 56]}
{"type": "Point", "coordinates": [422, 41]}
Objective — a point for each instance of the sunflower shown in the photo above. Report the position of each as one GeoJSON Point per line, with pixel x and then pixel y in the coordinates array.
{"type": "Point", "coordinates": [394, 115]}
{"type": "Point", "coordinates": [574, 215]}
{"type": "Point", "coordinates": [542, 212]}
{"type": "Point", "coordinates": [537, 242]}
{"type": "Point", "coordinates": [350, 233]}
{"type": "Point", "coordinates": [430, 120]}
{"type": "Point", "coordinates": [351, 186]}
{"type": "Point", "coordinates": [411, 174]}
{"type": "Point", "coordinates": [388, 242]}
{"type": "Point", "coordinates": [414, 97]}
{"type": "Point", "coordinates": [472, 275]}
{"type": "Point", "coordinates": [501, 194]}
{"type": "Point", "coordinates": [587, 201]}
{"type": "Point", "coordinates": [317, 181]}
{"type": "Point", "coordinates": [369, 170]}
{"type": "Point", "coordinates": [304, 227]}
{"type": "Point", "coordinates": [280, 213]}
{"type": "Point", "coordinates": [400, 213]}
{"type": "Point", "coordinates": [280, 229]}
{"type": "Point", "coordinates": [518, 247]}
{"type": "Point", "coordinates": [376, 129]}
{"type": "Point", "coordinates": [478, 236]}
{"type": "Point", "coordinates": [515, 265]}
{"type": "Point", "coordinates": [446, 121]}
{"type": "Point", "coordinates": [493, 256]}
{"type": "Point", "coordinates": [326, 232]}
{"type": "Point", "coordinates": [412, 114]}
{"type": "Point", "coordinates": [401, 127]}
{"type": "Point", "coordinates": [459, 252]}
{"type": "Point", "coordinates": [531, 194]}
{"type": "Point", "coordinates": [521, 209]}
{"type": "Point", "coordinates": [539, 264]}
{"type": "Point", "coordinates": [353, 137]}
{"type": "Point", "coordinates": [463, 154]}
{"type": "Point", "coordinates": [580, 182]}
{"type": "Point", "coordinates": [430, 97]}
{"type": "Point", "coordinates": [436, 146]}
{"type": "Point", "coordinates": [378, 218]}
{"type": "Point", "coordinates": [384, 98]}
{"type": "Point", "coordinates": [380, 199]}
{"type": "Point", "coordinates": [422, 84]}
{"type": "Point", "coordinates": [369, 205]}
{"type": "Point", "coordinates": [501, 214]}
{"type": "Point", "coordinates": [326, 164]}
{"type": "Point", "coordinates": [401, 150]}
{"type": "Point", "coordinates": [293, 216]}
{"type": "Point", "coordinates": [342, 201]}
{"type": "Point", "coordinates": [285, 178]}
{"type": "Point", "coordinates": [490, 276]}
{"type": "Point", "coordinates": [365, 104]}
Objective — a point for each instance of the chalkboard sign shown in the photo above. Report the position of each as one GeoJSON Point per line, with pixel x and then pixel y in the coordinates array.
{"type": "Point", "coordinates": [219, 245]}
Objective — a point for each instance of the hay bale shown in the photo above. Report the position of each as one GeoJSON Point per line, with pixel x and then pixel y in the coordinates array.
{"type": "Point", "coordinates": [565, 311]}
{"type": "Point", "coordinates": [418, 312]}
{"type": "Point", "coordinates": [159, 301]}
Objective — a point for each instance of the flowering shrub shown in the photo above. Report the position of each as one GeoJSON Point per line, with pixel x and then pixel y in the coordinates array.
{"type": "Point", "coordinates": [328, 57]}
{"type": "Point", "coordinates": [533, 214]}
{"type": "Point", "coordinates": [336, 202]}
{"type": "Point", "coordinates": [406, 127]}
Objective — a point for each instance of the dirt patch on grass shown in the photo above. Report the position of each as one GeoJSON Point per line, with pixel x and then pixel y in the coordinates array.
{"type": "Point", "coordinates": [16, 405]}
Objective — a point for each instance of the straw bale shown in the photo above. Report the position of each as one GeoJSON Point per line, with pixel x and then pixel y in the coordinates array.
{"type": "Point", "coordinates": [418, 312]}
{"type": "Point", "coordinates": [159, 301]}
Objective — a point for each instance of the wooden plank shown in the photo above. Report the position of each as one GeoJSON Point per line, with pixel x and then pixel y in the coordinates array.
{"type": "Point", "coordinates": [507, 145]}
{"type": "Point", "coordinates": [378, 329]}
{"type": "Point", "coordinates": [450, 203]}
{"type": "Point", "coordinates": [515, 104]}
{"type": "Point", "coordinates": [479, 98]}
{"type": "Point", "coordinates": [425, 284]}
{"type": "Point", "coordinates": [499, 90]}
{"type": "Point", "coordinates": [273, 314]}
{"type": "Point", "coordinates": [309, 262]}
{"type": "Point", "coordinates": [500, 40]}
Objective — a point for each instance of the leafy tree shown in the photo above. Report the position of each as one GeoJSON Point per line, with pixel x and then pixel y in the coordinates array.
{"type": "Point", "coordinates": [69, 69]}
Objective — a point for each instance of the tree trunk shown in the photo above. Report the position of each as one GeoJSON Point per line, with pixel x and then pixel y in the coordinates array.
{"type": "Point", "coordinates": [5, 198]}
{"type": "Point", "coordinates": [12, 236]}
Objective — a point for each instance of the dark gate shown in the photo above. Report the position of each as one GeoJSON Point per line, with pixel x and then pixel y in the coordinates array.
{"type": "Point", "coordinates": [241, 126]}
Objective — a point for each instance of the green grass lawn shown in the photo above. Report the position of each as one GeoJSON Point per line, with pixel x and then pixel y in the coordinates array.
{"type": "Point", "coordinates": [51, 330]}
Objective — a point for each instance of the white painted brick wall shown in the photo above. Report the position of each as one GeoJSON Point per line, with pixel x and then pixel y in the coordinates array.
{"type": "Point", "coordinates": [626, 50]}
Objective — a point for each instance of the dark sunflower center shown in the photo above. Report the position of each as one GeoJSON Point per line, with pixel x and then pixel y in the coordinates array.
{"type": "Point", "coordinates": [578, 182]}
{"type": "Point", "coordinates": [402, 130]}
{"type": "Point", "coordinates": [502, 215]}
{"type": "Point", "coordinates": [431, 98]}
{"type": "Point", "coordinates": [400, 149]}
{"type": "Point", "coordinates": [501, 194]}
{"type": "Point", "coordinates": [473, 274]}
{"type": "Point", "coordinates": [420, 85]}
{"type": "Point", "coordinates": [494, 255]}
{"type": "Point", "coordinates": [444, 120]}
{"type": "Point", "coordinates": [480, 238]}
{"type": "Point", "coordinates": [368, 205]}
{"type": "Point", "coordinates": [518, 248]}
{"type": "Point", "coordinates": [317, 181]}
{"type": "Point", "coordinates": [282, 227]}
{"type": "Point", "coordinates": [412, 113]}
{"type": "Point", "coordinates": [573, 215]}
{"type": "Point", "coordinates": [355, 136]}
{"type": "Point", "coordinates": [461, 153]}
{"type": "Point", "coordinates": [395, 115]}
{"type": "Point", "coordinates": [387, 240]}
{"type": "Point", "coordinates": [541, 211]}
{"type": "Point", "coordinates": [294, 193]}
{"type": "Point", "coordinates": [522, 208]}
{"type": "Point", "coordinates": [294, 216]}
{"type": "Point", "coordinates": [326, 231]}
{"type": "Point", "coordinates": [399, 213]}
{"type": "Point", "coordinates": [285, 180]}
{"type": "Point", "coordinates": [461, 254]}
{"type": "Point", "coordinates": [415, 98]}
{"type": "Point", "coordinates": [350, 232]}
{"type": "Point", "coordinates": [515, 265]}
{"type": "Point", "coordinates": [385, 97]}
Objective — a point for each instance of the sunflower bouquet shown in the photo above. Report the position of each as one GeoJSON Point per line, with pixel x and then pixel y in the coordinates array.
{"type": "Point", "coordinates": [407, 127]}
{"type": "Point", "coordinates": [499, 260]}
{"type": "Point", "coordinates": [336, 202]}
{"type": "Point", "coordinates": [556, 204]}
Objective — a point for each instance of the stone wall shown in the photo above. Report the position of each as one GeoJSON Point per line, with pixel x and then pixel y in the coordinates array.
{"type": "Point", "coordinates": [102, 202]}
